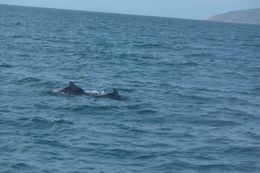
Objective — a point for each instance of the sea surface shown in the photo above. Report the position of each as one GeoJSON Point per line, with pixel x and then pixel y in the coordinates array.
{"type": "Point", "coordinates": [191, 89]}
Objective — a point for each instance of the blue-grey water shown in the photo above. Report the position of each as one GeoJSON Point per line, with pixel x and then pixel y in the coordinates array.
{"type": "Point", "coordinates": [192, 92]}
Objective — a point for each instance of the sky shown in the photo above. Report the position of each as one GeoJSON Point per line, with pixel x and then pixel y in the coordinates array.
{"type": "Point", "coordinates": [189, 9]}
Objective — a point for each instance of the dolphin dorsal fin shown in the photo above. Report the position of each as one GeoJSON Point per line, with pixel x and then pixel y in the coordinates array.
{"type": "Point", "coordinates": [115, 91]}
{"type": "Point", "coordinates": [71, 83]}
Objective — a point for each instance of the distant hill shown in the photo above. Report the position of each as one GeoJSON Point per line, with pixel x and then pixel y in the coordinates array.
{"type": "Point", "coordinates": [250, 16]}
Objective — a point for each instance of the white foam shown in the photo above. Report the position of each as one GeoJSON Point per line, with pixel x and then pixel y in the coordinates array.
{"type": "Point", "coordinates": [95, 93]}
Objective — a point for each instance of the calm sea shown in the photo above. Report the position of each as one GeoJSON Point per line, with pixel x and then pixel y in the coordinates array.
{"type": "Point", "coordinates": [192, 93]}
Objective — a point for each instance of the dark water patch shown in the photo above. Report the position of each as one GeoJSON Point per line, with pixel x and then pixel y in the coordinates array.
{"type": "Point", "coordinates": [178, 64]}
{"type": "Point", "coordinates": [250, 45]}
{"type": "Point", "coordinates": [212, 39]}
{"type": "Point", "coordinates": [243, 150]}
{"type": "Point", "coordinates": [175, 165]}
{"type": "Point", "coordinates": [199, 55]}
{"type": "Point", "coordinates": [24, 55]}
{"type": "Point", "coordinates": [5, 66]}
{"type": "Point", "coordinates": [252, 134]}
{"type": "Point", "coordinates": [256, 90]}
{"type": "Point", "coordinates": [7, 148]}
{"type": "Point", "coordinates": [18, 36]}
{"type": "Point", "coordinates": [147, 112]}
{"type": "Point", "coordinates": [17, 23]}
{"type": "Point", "coordinates": [22, 166]}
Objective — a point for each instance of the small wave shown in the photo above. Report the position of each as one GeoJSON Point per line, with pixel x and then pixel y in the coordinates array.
{"type": "Point", "coordinates": [253, 135]}
{"type": "Point", "coordinates": [216, 123]}
{"type": "Point", "coordinates": [250, 45]}
{"type": "Point", "coordinates": [87, 108]}
{"type": "Point", "coordinates": [256, 89]}
{"type": "Point", "coordinates": [212, 39]}
{"type": "Point", "coordinates": [198, 55]}
{"type": "Point", "coordinates": [134, 106]}
{"type": "Point", "coordinates": [39, 122]}
{"type": "Point", "coordinates": [21, 166]}
{"type": "Point", "coordinates": [180, 64]}
{"type": "Point", "coordinates": [146, 111]}
{"type": "Point", "coordinates": [7, 148]}
{"type": "Point", "coordinates": [29, 79]}
{"type": "Point", "coordinates": [177, 165]}
{"type": "Point", "coordinates": [120, 153]}
{"type": "Point", "coordinates": [144, 156]}
{"type": "Point", "coordinates": [221, 167]}
{"type": "Point", "coordinates": [243, 150]}
{"type": "Point", "coordinates": [52, 143]}
{"type": "Point", "coordinates": [148, 45]}
{"type": "Point", "coordinates": [188, 64]}
{"type": "Point", "coordinates": [18, 23]}
{"type": "Point", "coordinates": [24, 55]}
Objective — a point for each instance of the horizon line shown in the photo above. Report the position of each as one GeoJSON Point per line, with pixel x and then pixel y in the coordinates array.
{"type": "Point", "coordinates": [72, 9]}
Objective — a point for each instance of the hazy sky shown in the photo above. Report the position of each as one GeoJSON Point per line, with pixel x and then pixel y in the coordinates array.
{"type": "Point", "coordinates": [192, 9]}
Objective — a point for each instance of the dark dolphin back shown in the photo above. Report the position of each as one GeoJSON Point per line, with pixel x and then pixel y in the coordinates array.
{"type": "Point", "coordinates": [114, 95]}
{"type": "Point", "coordinates": [73, 89]}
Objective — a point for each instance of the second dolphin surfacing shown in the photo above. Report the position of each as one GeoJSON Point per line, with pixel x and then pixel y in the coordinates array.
{"type": "Point", "coordinates": [73, 89]}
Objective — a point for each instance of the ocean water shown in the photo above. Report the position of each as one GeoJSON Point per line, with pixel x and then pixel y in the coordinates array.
{"type": "Point", "coordinates": [192, 92]}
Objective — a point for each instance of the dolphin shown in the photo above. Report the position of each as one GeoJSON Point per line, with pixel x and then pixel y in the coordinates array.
{"type": "Point", "coordinates": [73, 89]}
{"type": "Point", "coordinates": [114, 95]}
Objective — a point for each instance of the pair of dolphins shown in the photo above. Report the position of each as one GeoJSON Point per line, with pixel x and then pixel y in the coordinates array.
{"type": "Point", "coordinates": [73, 89]}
